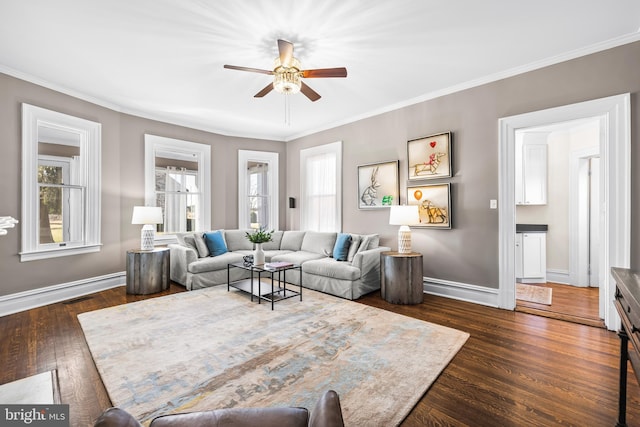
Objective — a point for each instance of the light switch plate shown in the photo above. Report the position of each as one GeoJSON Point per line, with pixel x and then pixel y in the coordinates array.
{"type": "Point", "coordinates": [493, 204]}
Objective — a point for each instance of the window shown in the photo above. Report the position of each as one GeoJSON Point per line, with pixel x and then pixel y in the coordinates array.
{"type": "Point", "coordinates": [321, 188]}
{"type": "Point", "coordinates": [258, 189]}
{"type": "Point", "coordinates": [177, 179]}
{"type": "Point", "coordinates": [60, 184]}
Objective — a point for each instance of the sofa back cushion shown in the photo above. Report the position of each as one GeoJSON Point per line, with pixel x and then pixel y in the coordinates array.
{"type": "Point", "coordinates": [319, 242]}
{"type": "Point", "coordinates": [215, 243]}
{"type": "Point", "coordinates": [237, 240]}
{"type": "Point", "coordinates": [292, 240]}
{"type": "Point", "coordinates": [274, 244]}
{"type": "Point", "coordinates": [341, 248]}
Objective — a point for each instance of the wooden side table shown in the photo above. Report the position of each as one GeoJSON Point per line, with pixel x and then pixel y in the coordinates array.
{"type": "Point", "coordinates": [401, 277]}
{"type": "Point", "coordinates": [147, 271]}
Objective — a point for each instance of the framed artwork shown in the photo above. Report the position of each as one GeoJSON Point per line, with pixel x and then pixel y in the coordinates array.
{"type": "Point", "coordinates": [429, 157]}
{"type": "Point", "coordinates": [378, 185]}
{"type": "Point", "coordinates": [434, 204]}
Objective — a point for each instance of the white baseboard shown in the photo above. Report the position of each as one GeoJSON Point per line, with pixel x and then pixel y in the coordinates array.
{"type": "Point", "coordinates": [558, 276]}
{"type": "Point", "coordinates": [461, 291]}
{"type": "Point", "coordinates": [27, 300]}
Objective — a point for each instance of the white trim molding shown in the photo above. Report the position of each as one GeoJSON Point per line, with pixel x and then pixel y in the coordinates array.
{"type": "Point", "coordinates": [22, 301]}
{"type": "Point", "coordinates": [461, 291]}
{"type": "Point", "coordinates": [558, 276]}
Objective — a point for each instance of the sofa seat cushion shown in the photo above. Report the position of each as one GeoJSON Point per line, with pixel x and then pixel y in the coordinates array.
{"type": "Point", "coordinates": [214, 263]}
{"type": "Point", "coordinates": [298, 257]}
{"type": "Point", "coordinates": [329, 267]}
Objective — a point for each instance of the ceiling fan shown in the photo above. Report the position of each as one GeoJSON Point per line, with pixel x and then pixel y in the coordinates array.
{"type": "Point", "coordinates": [287, 74]}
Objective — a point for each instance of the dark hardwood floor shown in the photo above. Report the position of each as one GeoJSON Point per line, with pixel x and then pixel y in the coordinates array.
{"type": "Point", "coordinates": [570, 303]}
{"type": "Point", "coordinates": [516, 369]}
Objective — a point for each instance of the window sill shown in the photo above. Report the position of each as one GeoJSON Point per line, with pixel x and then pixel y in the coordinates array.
{"type": "Point", "coordinates": [59, 252]}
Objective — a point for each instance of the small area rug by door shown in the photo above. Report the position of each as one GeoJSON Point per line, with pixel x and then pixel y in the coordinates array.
{"type": "Point", "coordinates": [211, 348]}
{"type": "Point", "coordinates": [39, 389]}
{"type": "Point", "coordinates": [531, 293]}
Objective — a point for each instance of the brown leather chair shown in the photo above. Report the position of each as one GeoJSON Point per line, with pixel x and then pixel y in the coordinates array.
{"type": "Point", "coordinates": [327, 413]}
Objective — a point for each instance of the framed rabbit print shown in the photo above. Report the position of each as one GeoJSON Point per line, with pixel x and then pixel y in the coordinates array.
{"type": "Point", "coordinates": [429, 157]}
{"type": "Point", "coordinates": [378, 185]}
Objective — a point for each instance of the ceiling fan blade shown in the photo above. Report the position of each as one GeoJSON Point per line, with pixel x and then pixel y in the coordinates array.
{"type": "Point", "coordinates": [309, 93]}
{"type": "Point", "coordinates": [268, 88]}
{"type": "Point", "coordinates": [251, 70]}
{"type": "Point", "coordinates": [325, 72]}
{"type": "Point", "coordinates": [286, 52]}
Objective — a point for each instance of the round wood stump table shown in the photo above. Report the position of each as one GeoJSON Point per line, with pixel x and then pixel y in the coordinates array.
{"type": "Point", "coordinates": [401, 277]}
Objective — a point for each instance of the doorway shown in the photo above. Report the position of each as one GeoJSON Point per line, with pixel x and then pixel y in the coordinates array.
{"type": "Point", "coordinates": [614, 186]}
{"type": "Point", "coordinates": [566, 205]}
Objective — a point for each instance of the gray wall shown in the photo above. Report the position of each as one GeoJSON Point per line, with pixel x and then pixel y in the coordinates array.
{"type": "Point", "coordinates": [122, 183]}
{"type": "Point", "coordinates": [469, 252]}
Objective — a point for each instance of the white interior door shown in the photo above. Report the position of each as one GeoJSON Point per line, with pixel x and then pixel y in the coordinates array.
{"type": "Point", "coordinates": [594, 222]}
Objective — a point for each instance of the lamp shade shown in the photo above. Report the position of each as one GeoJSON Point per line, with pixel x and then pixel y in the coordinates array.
{"type": "Point", "coordinates": [404, 215]}
{"type": "Point", "coordinates": [146, 215]}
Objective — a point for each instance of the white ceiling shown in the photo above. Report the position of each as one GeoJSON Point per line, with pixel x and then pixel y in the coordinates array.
{"type": "Point", "coordinates": [163, 59]}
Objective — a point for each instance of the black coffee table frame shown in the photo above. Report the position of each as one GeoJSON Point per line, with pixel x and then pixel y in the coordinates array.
{"type": "Point", "coordinates": [275, 292]}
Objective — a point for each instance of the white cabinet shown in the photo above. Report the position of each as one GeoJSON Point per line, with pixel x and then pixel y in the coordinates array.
{"type": "Point", "coordinates": [531, 257]}
{"type": "Point", "coordinates": [531, 172]}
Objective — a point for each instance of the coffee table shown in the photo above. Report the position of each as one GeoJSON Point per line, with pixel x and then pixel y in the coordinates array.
{"type": "Point", "coordinates": [254, 286]}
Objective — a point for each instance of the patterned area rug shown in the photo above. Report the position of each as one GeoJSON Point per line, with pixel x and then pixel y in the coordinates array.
{"type": "Point", "coordinates": [531, 293]}
{"type": "Point", "coordinates": [211, 349]}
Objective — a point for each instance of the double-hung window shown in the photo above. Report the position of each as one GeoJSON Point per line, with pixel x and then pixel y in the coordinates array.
{"type": "Point", "coordinates": [321, 187]}
{"type": "Point", "coordinates": [178, 180]}
{"type": "Point", "coordinates": [258, 189]}
{"type": "Point", "coordinates": [60, 184]}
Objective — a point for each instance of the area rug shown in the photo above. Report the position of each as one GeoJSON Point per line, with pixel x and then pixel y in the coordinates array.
{"type": "Point", "coordinates": [39, 389]}
{"type": "Point", "coordinates": [531, 293]}
{"type": "Point", "coordinates": [211, 348]}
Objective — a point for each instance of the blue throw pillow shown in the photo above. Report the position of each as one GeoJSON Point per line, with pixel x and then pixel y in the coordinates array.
{"type": "Point", "coordinates": [341, 248]}
{"type": "Point", "coordinates": [215, 243]}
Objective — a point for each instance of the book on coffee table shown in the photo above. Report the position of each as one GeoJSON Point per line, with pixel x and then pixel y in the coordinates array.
{"type": "Point", "coordinates": [278, 264]}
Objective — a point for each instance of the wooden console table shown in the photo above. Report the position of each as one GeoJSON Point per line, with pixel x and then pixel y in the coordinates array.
{"type": "Point", "coordinates": [627, 302]}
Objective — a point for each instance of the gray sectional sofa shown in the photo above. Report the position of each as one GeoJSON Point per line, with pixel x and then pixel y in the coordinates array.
{"type": "Point", "coordinates": [359, 274]}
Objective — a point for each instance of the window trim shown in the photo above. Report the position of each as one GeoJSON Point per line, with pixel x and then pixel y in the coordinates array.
{"type": "Point", "coordinates": [89, 137]}
{"type": "Point", "coordinates": [202, 152]}
{"type": "Point", "coordinates": [273, 178]}
{"type": "Point", "coordinates": [334, 148]}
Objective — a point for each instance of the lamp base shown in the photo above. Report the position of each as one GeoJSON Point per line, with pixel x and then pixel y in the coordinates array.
{"type": "Point", "coordinates": [147, 236]}
{"type": "Point", "coordinates": [404, 240]}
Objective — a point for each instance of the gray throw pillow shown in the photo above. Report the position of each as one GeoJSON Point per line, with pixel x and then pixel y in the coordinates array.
{"type": "Point", "coordinates": [203, 250]}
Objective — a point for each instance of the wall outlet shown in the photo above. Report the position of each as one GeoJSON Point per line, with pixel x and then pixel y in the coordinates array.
{"type": "Point", "coordinates": [493, 204]}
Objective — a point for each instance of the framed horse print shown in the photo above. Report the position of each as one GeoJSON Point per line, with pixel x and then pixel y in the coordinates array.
{"type": "Point", "coordinates": [378, 185]}
{"type": "Point", "coordinates": [434, 204]}
{"type": "Point", "coordinates": [429, 157]}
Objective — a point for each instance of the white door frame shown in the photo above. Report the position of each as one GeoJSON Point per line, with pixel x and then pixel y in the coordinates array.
{"type": "Point", "coordinates": [615, 149]}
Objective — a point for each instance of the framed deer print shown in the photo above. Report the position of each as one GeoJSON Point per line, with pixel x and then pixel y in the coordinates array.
{"type": "Point", "coordinates": [434, 204]}
{"type": "Point", "coordinates": [429, 157]}
{"type": "Point", "coordinates": [378, 185]}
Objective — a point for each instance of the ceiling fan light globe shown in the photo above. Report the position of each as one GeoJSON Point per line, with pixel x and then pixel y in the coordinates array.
{"type": "Point", "coordinates": [287, 82]}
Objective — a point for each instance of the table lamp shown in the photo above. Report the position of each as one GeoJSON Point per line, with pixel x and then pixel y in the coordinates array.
{"type": "Point", "coordinates": [404, 216]}
{"type": "Point", "coordinates": [148, 216]}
